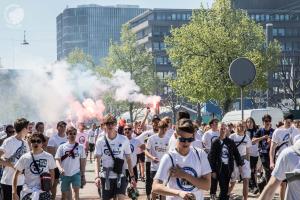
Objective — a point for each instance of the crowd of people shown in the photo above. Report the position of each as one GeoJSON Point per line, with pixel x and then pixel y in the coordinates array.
{"type": "Point", "coordinates": [174, 161]}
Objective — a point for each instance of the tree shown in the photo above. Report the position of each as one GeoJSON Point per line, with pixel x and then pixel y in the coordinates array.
{"type": "Point", "coordinates": [78, 57]}
{"type": "Point", "coordinates": [202, 51]}
{"type": "Point", "coordinates": [130, 57]}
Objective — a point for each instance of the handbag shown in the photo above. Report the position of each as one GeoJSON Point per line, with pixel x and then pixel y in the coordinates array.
{"type": "Point", "coordinates": [118, 162]}
{"type": "Point", "coordinates": [45, 177]}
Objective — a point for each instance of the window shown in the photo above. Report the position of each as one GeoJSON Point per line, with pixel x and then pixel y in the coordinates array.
{"type": "Point", "coordinates": [173, 16]}
{"type": "Point", "coordinates": [276, 17]}
{"type": "Point", "coordinates": [286, 17]}
{"type": "Point", "coordinates": [267, 17]}
{"type": "Point", "coordinates": [159, 60]}
{"type": "Point", "coordinates": [156, 45]}
{"type": "Point", "coordinates": [275, 90]}
{"type": "Point", "coordinates": [281, 17]}
{"type": "Point", "coordinates": [275, 75]}
{"type": "Point", "coordinates": [281, 32]}
{"type": "Point", "coordinates": [257, 17]}
{"type": "Point", "coordinates": [262, 17]}
{"type": "Point", "coordinates": [178, 16]}
{"type": "Point", "coordinates": [162, 46]}
{"type": "Point", "coordinates": [274, 31]}
{"type": "Point", "coordinates": [184, 17]}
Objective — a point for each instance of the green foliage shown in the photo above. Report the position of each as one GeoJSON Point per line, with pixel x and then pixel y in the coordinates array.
{"type": "Point", "coordinates": [202, 51]}
{"type": "Point", "coordinates": [78, 57]}
{"type": "Point", "coordinates": [130, 57]}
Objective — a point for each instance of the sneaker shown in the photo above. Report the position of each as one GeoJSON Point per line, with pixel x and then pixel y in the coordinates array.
{"type": "Point", "coordinates": [255, 191]}
{"type": "Point", "coordinates": [213, 197]}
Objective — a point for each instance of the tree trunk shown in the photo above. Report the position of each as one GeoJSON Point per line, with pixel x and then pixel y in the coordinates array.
{"type": "Point", "coordinates": [131, 112]}
{"type": "Point", "coordinates": [226, 105]}
{"type": "Point", "coordinates": [199, 115]}
{"type": "Point", "coordinates": [174, 114]}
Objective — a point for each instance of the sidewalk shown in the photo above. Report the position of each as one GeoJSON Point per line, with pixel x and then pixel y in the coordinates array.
{"type": "Point", "coordinates": [89, 192]}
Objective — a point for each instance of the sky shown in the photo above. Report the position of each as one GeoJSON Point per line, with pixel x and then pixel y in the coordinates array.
{"type": "Point", "coordinates": [38, 18]}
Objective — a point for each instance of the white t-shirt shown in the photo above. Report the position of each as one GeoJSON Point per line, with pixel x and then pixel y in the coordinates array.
{"type": "Point", "coordinates": [254, 150]}
{"type": "Point", "coordinates": [285, 137]}
{"type": "Point", "coordinates": [288, 161]}
{"type": "Point", "coordinates": [45, 162]}
{"type": "Point", "coordinates": [134, 146]}
{"type": "Point", "coordinates": [190, 164]}
{"type": "Point", "coordinates": [91, 136]}
{"type": "Point", "coordinates": [56, 140]}
{"type": "Point", "coordinates": [170, 132]}
{"type": "Point", "coordinates": [143, 137]}
{"type": "Point", "coordinates": [70, 165]}
{"type": "Point", "coordinates": [208, 138]}
{"type": "Point", "coordinates": [173, 141]}
{"type": "Point", "coordinates": [247, 143]}
{"type": "Point", "coordinates": [225, 153]}
{"type": "Point", "coordinates": [120, 147]}
{"type": "Point", "coordinates": [157, 147]}
{"type": "Point", "coordinates": [10, 146]}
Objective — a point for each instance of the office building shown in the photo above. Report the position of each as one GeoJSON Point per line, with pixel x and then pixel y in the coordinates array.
{"type": "Point", "coordinates": [91, 28]}
{"type": "Point", "coordinates": [151, 28]}
{"type": "Point", "coordinates": [285, 17]}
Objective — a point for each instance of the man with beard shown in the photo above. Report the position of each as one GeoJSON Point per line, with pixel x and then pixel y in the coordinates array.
{"type": "Point", "coordinates": [12, 149]}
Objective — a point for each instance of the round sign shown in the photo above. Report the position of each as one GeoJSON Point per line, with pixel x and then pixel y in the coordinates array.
{"type": "Point", "coordinates": [242, 72]}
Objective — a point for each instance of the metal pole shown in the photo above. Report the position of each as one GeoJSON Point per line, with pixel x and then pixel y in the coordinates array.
{"type": "Point", "coordinates": [242, 103]}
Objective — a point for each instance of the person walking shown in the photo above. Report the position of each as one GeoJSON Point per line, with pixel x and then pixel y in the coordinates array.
{"type": "Point", "coordinates": [185, 172]}
{"type": "Point", "coordinates": [38, 167]}
{"type": "Point", "coordinates": [71, 160]}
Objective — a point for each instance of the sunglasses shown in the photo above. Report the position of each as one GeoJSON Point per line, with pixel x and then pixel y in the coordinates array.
{"type": "Point", "coordinates": [36, 141]}
{"type": "Point", "coordinates": [189, 140]}
{"type": "Point", "coordinates": [109, 123]}
{"type": "Point", "coordinates": [127, 129]}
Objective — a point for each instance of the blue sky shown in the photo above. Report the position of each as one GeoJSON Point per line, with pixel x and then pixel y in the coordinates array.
{"type": "Point", "coordinates": [39, 21]}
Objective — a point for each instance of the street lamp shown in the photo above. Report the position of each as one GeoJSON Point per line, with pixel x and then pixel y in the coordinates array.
{"type": "Point", "coordinates": [24, 40]}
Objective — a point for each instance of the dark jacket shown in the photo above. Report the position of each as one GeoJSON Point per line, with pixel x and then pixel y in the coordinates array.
{"type": "Point", "coordinates": [215, 154]}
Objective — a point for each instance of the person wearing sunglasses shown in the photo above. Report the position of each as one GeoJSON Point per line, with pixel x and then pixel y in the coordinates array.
{"type": "Point", "coordinates": [156, 147]}
{"type": "Point", "coordinates": [71, 160]}
{"type": "Point", "coordinates": [10, 152]}
{"type": "Point", "coordinates": [263, 138]}
{"type": "Point", "coordinates": [134, 146]}
{"type": "Point", "coordinates": [282, 138]}
{"type": "Point", "coordinates": [184, 172]}
{"type": "Point", "coordinates": [110, 151]}
{"type": "Point", "coordinates": [222, 156]}
{"type": "Point", "coordinates": [43, 162]}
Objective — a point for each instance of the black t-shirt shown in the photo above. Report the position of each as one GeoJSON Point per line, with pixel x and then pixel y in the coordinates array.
{"type": "Point", "coordinates": [252, 132]}
{"type": "Point", "coordinates": [264, 147]}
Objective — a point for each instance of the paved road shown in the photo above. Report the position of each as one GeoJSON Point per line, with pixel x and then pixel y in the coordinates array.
{"type": "Point", "coordinates": [89, 192]}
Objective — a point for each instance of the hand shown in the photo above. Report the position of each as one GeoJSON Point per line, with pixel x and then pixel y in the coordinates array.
{"type": "Point", "coordinates": [155, 160]}
{"type": "Point", "coordinates": [15, 196]}
{"type": "Point", "coordinates": [133, 182]}
{"type": "Point", "coordinates": [98, 182]}
{"type": "Point", "coordinates": [266, 137]}
{"type": "Point", "coordinates": [177, 172]}
{"type": "Point", "coordinates": [214, 175]}
{"type": "Point", "coordinates": [62, 172]}
{"type": "Point", "coordinates": [272, 165]}
{"type": "Point", "coordinates": [187, 195]}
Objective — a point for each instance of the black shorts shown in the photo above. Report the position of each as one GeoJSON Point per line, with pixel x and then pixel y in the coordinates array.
{"type": "Point", "coordinates": [7, 191]}
{"type": "Point", "coordinates": [109, 194]}
{"type": "Point", "coordinates": [91, 147]}
{"type": "Point", "coordinates": [141, 157]}
{"type": "Point", "coordinates": [56, 173]}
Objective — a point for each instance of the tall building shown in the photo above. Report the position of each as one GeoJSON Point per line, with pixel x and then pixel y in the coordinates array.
{"type": "Point", "coordinates": [285, 17]}
{"type": "Point", "coordinates": [92, 28]}
{"type": "Point", "coordinates": [151, 27]}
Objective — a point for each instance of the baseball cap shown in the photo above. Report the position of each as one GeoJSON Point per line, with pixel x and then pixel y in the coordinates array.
{"type": "Point", "coordinates": [155, 117]}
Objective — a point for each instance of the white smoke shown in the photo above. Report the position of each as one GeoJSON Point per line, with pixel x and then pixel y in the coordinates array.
{"type": "Point", "coordinates": [60, 92]}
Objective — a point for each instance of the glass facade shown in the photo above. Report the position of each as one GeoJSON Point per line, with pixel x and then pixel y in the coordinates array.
{"type": "Point", "coordinates": [91, 28]}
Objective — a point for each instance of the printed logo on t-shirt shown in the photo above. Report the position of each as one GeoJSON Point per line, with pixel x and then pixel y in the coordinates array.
{"type": "Point", "coordinates": [184, 184]}
{"type": "Point", "coordinates": [81, 140]}
{"type": "Point", "coordinates": [20, 151]}
{"type": "Point", "coordinates": [225, 153]}
{"type": "Point", "coordinates": [42, 163]}
{"type": "Point", "coordinates": [160, 149]}
{"type": "Point", "coordinates": [213, 138]}
{"type": "Point", "coordinates": [116, 149]}
{"type": "Point", "coordinates": [132, 148]}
